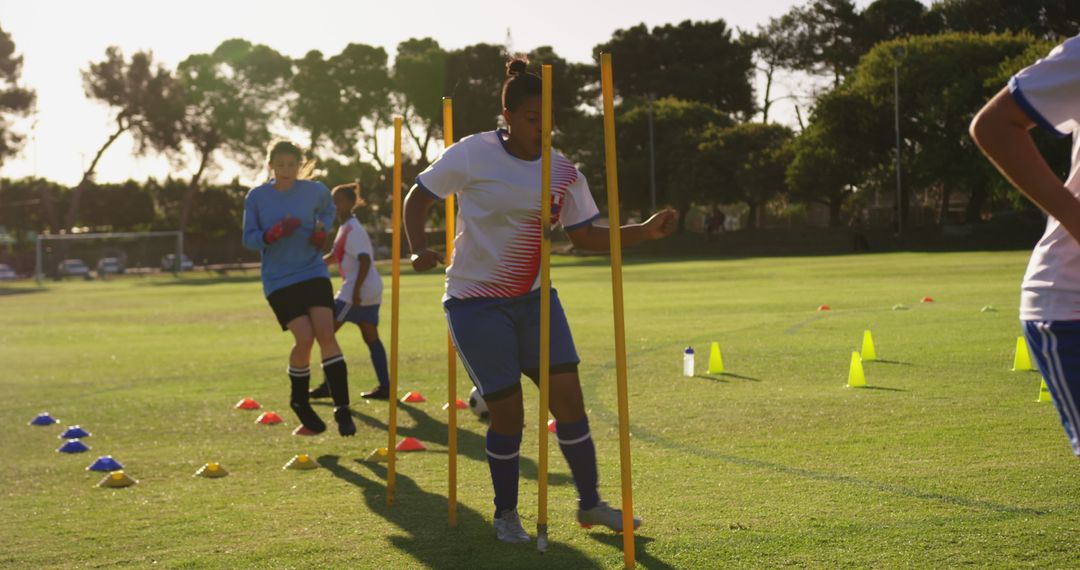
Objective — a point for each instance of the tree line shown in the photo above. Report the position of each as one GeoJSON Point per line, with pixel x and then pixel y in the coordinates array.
{"type": "Point", "coordinates": [690, 84]}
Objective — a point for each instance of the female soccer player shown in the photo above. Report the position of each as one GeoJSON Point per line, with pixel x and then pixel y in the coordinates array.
{"type": "Point", "coordinates": [1046, 94]}
{"type": "Point", "coordinates": [285, 220]}
{"type": "Point", "coordinates": [360, 295]}
{"type": "Point", "coordinates": [492, 299]}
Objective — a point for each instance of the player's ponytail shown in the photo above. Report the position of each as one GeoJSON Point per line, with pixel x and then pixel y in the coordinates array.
{"type": "Point", "coordinates": [519, 84]}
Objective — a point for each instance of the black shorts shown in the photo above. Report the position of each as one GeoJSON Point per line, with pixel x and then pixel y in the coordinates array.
{"type": "Point", "coordinates": [295, 300]}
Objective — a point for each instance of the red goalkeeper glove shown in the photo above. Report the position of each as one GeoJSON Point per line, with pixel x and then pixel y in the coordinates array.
{"type": "Point", "coordinates": [318, 237]}
{"type": "Point", "coordinates": [283, 228]}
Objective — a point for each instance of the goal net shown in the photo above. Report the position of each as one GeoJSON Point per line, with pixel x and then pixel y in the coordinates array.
{"type": "Point", "coordinates": [102, 255]}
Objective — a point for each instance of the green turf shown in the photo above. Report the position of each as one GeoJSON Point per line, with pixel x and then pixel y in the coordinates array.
{"type": "Point", "coordinates": [945, 461]}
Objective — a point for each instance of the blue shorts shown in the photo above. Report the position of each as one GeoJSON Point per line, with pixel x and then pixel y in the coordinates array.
{"type": "Point", "coordinates": [499, 339]}
{"type": "Point", "coordinates": [350, 313]}
{"type": "Point", "coordinates": [1056, 346]}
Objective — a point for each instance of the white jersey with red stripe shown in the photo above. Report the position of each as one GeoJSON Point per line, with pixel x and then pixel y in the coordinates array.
{"type": "Point", "coordinates": [497, 246]}
{"type": "Point", "coordinates": [351, 242]}
{"type": "Point", "coordinates": [1049, 92]}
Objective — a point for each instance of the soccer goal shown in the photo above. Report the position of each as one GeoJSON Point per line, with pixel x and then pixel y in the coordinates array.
{"type": "Point", "coordinates": [101, 255]}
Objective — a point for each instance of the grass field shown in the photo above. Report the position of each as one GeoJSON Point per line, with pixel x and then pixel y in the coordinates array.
{"type": "Point", "coordinates": [945, 461]}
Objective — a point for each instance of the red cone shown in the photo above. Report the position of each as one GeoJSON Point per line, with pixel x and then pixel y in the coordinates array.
{"type": "Point", "coordinates": [268, 419]}
{"type": "Point", "coordinates": [927, 299]}
{"type": "Point", "coordinates": [459, 404]}
{"type": "Point", "coordinates": [413, 398]}
{"type": "Point", "coordinates": [247, 404]}
{"type": "Point", "coordinates": [303, 431]}
{"type": "Point", "coordinates": [824, 308]}
{"type": "Point", "coordinates": [551, 426]}
{"type": "Point", "coordinates": [410, 444]}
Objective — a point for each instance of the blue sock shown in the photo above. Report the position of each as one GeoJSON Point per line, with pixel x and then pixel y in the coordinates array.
{"type": "Point", "coordinates": [577, 447]}
{"type": "Point", "coordinates": [504, 455]}
{"type": "Point", "coordinates": [378, 361]}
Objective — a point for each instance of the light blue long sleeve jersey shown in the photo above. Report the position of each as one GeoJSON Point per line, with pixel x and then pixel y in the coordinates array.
{"type": "Point", "coordinates": [291, 259]}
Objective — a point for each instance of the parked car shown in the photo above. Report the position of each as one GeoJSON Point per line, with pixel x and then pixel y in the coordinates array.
{"type": "Point", "coordinates": [72, 268]}
{"type": "Point", "coordinates": [107, 265]}
{"type": "Point", "coordinates": [6, 273]}
{"type": "Point", "coordinates": [168, 263]}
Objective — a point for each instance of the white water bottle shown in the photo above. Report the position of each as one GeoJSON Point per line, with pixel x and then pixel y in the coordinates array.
{"type": "Point", "coordinates": [688, 362]}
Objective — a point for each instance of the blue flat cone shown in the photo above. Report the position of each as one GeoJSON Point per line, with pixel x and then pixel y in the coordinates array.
{"type": "Point", "coordinates": [44, 419]}
{"type": "Point", "coordinates": [73, 446]}
{"type": "Point", "coordinates": [105, 463]}
{"type": "Point", "coordinates": [74, 432]}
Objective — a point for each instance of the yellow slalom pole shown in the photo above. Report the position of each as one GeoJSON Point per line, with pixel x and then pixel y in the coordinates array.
{"type": "Point", "coordinates": [451, 356]}
{"type": "Point", "coordinates": [395, 288]}
{"type": "Point", "coordinates": [617, 299]}
{"type": "Point", "coordinates": [545, 304]}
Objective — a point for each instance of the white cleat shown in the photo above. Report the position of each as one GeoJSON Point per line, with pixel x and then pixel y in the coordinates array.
{"type": "Point", "coordinates": [508, 528]}
{"type": "Point", "coordinates": [603, 514]}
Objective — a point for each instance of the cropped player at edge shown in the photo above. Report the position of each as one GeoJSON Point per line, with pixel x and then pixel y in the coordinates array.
{"type": "Point", "coordinates": [1046, 94]}
{"type": "Point", "coordinates": [492, 294]}
{"type": "Point", "coordinates": [360, 295]}
{"type": "Point", "coordinates": [285, 220]}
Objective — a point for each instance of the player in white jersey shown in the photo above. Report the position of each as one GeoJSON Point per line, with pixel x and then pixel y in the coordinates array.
{"type": "Point", "coordinates": [492, 299]}
{"type": "Point", "coordinates": [1046, 94]}
{"type": "Point", "coordinates": [360, 295]}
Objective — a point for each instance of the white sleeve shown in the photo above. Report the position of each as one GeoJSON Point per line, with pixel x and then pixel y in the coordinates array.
{"type": "Point", "coordinates": [578, 209]}
{"type": "Point", "coordinates": [448, 174]}
{"type": "Point", "coordinates": [358, 242]}
{"type": "Point", "coordinates": [1049, 90]}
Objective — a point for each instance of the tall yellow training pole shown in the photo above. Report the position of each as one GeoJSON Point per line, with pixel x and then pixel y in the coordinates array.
{"type": "Point", "coordinates": [617, 299]}
{"type": "Point", "coordinates": [451, 357]}
{"type": "Point", "coordinates": [545, 303]}
{"type": "Point", "coordinates": [395, 288]}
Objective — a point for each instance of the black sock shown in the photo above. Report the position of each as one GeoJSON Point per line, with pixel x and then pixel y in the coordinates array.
{"type": "Point", "coordinates": [337, 377]}
{"type": "Point", "coordinates": [298, 400]}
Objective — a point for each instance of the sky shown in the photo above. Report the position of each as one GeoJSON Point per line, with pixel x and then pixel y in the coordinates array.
{"type": "Point", "coordinates": [58, 39]}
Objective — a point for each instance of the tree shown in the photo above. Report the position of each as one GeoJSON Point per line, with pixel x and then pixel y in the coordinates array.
{"type": "Point", "coordinates": [678, 126]}
{"type": "Point", "coordinates": [229, 97]}
{"type": "Point", "coordinates": [892, 19]}
{"type": "Point", "coordinates": [693, 61]}
{"type": "Point", "coordinates": [138, 92]}
{"type": "Point", "coordinates": [748, 163]}
{"type": "Point", "coordinates": [1046, 19]}
{"type": "Point", "coordinates": [474, 79]}
{"type": "Point", "coordinates": [15, 101]}
{"type": "Point", "coordinates": [334, 96]}
{"type": "Point", "coordinates": [774, 49]}
{"type": "Point", "coordinates": [823, 37]}
{"type": "Point", "coordinates": [847, 139]}
{"type": "Point", "coordinates": [419, 80]}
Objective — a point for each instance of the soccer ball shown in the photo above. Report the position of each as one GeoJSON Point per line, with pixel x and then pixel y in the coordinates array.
{"type": "Point", "coordinates": [477, 404]}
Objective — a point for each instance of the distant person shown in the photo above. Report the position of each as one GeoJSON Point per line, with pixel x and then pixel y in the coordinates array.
{"type": "Point", "coordinates": [285, 220]}
{"type": "Point", "coordinates": [859, 243]}
{"type": "Point", "coordinates": [492, 299]}
{"type": "Point", "coordinates": [1046, 94]}
{"type": "Point", "coordinates": [360, 294]}
{"type": "Point", "coordinates": [716, 221]}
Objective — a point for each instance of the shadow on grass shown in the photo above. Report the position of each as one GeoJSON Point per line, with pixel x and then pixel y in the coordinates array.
{"type": "Point", "coordinates": [429, 540]}
{"type": "Point", "coordinates": [723, 377]}
{"type": "Point", "coordinates": [200, 282]}
{"type": "Point", "coordinates": [11, 291]}
{"type": "Point", "coordinates": [895, 362]}
{"type": "Point", "coordinates": [641, 553]}
{"type": "Point", "coordinates": [470, 445]}
{"type": "Point", "coordinates": [883, 388]}
{"type": "Point", "coordinates": [642, 433]}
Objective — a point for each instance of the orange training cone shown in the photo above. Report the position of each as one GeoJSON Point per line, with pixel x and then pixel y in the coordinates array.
{"type": "Point", "coordinates": [268, 419]}
{"type": "Point", "coordinates": [927, 300]}
{"type": "Point", "coordinates": [247, 404]}
{"type": "Point", "coordinates": [413, 398]}
{"type": "Point", "coordinates": [824, 308]}
{"type": "Point", "coordinates": [551, 426]}
{"type": "Point", "coordinates": [410, 444]}
{"type": "Point", "coordinates": [459, 404]}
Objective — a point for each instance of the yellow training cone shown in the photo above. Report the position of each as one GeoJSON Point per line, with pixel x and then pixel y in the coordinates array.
{"type": "Point", "coordinates": [1022, 358]}
{"type": "Point", "coordinates": [302, 461]}
{"type": "Point", "coordinates": [716, 362]}
{"type": "Point", "coordinates": [1044, 392]}
{"type": "Point", "coordinates": [868, 352]}
{"type": "Point", "coordinates": [856, 378]}
{"type": "Point", "coordinates": [211, 471]}
{"type": "Point", "coordinates": [380, 455]}
{"type": "Point", "coordinates": [117, 479]}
